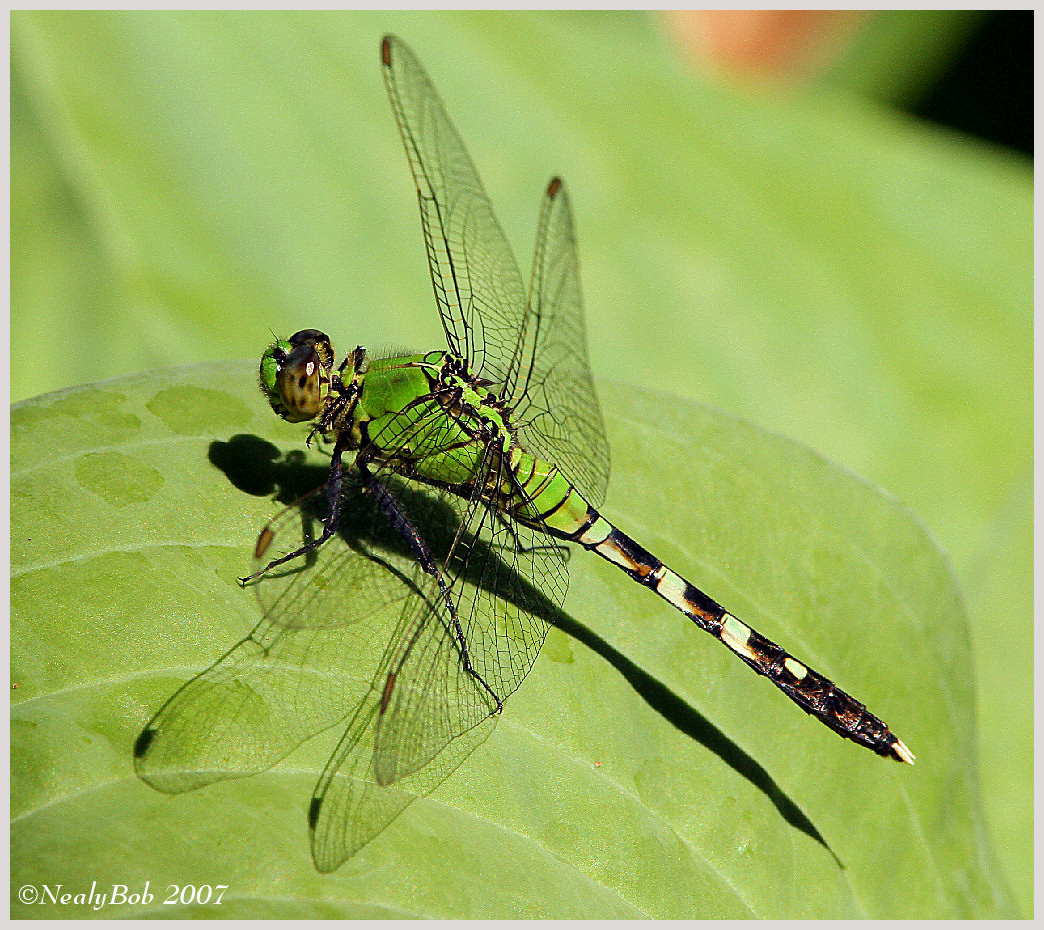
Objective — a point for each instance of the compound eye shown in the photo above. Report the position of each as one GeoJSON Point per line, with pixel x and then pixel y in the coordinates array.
{"type": "Point", "coordinates": [319, 340]}
{"type": "Point", "coordinates": [300, 383]}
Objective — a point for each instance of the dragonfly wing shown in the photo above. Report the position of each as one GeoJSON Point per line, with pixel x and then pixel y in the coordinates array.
{"type": "Point", "coordinates": [304, 666]}
{"type": "Point", "coordinates": [478, 287]}
{"type": "Point", "coordinates": [456, 660]}
{"type": "Point", "coordinates": [552, 392]}
{"type": "Point", "coordinates": [350, 808]}
{"type": "Point", "coordinates": [434, 696]}
{"type": "Point", "coordinates": [535, 351]}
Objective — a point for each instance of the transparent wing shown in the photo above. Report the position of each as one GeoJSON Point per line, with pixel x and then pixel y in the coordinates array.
{"type": "Point", "coordinates": [434, 695]}
{"type": "Point", "coordinates": [324, 629]}
{"type": "Point", "coordinates": [305, 665]}
{"type": "Point", "coordinates": [349, 808]}
{"type": "Point", "coordinates": [533, 351]}
{"type": "Point", "coordinates": [552, 393]}
{"type": "Point", "coordinates": [505, 583]}
{"type": "Point", "coordinates": [478, 287]}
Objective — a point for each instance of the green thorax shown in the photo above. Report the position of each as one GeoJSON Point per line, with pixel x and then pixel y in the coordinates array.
{"type": "Point", "coordinates": [428, 416]}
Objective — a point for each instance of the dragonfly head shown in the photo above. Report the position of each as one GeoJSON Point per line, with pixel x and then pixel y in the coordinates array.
{"type": "Point", "coordinates": [295, 374]}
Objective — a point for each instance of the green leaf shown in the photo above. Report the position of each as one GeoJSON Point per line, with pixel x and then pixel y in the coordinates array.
{"type": "Point", "coordinates": [640, 770]}
{"type": "Point", "coordinates": [850, 277]}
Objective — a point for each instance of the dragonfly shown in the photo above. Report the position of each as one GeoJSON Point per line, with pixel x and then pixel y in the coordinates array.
{"type": "Point", "coordinates": [408, 597]}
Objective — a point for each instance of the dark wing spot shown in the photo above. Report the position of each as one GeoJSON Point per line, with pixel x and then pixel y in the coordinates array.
{"type": "Point", "coordinates": [313, 812]}
{"type": "Point", "coordinates": [144, 741]}
{"type": "Point", "coordinates": [263, 542]}
{"type": "Point", "coordinates": [389, 686]}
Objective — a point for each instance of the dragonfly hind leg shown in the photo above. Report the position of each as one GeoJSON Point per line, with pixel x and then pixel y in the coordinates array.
{"type": "Point", "coordinates": [401, 524]}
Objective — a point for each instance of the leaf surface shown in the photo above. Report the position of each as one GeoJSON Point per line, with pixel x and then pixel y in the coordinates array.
{"type": "Point", "coordinates": [640, 770]}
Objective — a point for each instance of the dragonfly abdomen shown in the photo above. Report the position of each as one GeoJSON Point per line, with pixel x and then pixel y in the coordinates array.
{"type": "Point", "coordinates": [814, 693]}
{"type": "Point", "coordinates": [541, 497]}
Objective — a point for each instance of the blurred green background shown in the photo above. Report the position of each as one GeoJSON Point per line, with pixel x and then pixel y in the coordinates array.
{"type": "Point", "coordinates": [817, 261]}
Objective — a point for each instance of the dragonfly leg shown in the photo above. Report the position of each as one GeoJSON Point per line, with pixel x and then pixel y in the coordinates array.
{"type": "Point", "coordinates": [334, 491]}
{"type": "Point", "coordinates": [401, 524]}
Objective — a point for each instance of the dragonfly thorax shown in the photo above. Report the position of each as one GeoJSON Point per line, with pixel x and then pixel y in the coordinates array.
{"type": "Point", "coordinates": [429, 414]}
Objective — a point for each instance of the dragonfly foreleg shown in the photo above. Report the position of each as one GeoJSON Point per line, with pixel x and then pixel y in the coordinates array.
{"type": "Point", "coordinates": [401, 524]}
{"type": "Point", "coordinates": [334, 492]}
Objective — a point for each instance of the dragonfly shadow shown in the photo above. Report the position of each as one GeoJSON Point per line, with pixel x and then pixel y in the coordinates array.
{"type": "Point", "coordinates": [256, 466]}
